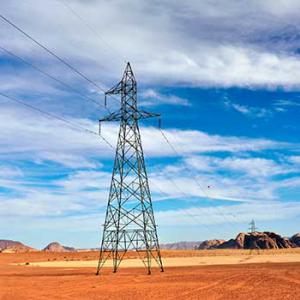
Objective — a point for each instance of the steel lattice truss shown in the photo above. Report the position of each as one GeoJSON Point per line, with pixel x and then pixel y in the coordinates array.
{"type": "Point", "coordinates": [129, 222]}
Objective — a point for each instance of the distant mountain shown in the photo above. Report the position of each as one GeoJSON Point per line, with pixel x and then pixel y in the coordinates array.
{"type": "Point", "coordinates": [254, 240]}
{"type": "Point", "coordinates": [9, 246]}
{"type": "Point", "coordinates": [57, 247]}
{"type": "Point", "coordinates": [180, 245]}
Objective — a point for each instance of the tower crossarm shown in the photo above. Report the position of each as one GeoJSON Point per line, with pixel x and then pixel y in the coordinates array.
{"type": "Point", "coordinates": [114, 90]}
{"type": "Point", "coordinates": [137, 114]}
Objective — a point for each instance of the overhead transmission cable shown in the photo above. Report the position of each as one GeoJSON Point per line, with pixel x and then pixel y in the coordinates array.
{"type": "Point", "coordinates": [186, 211]}
{"type": "Point", "coordinates": [91, 29]}
{"type": "Point", "coordinates": [74, 70]}
{"type": "Point", "coordinates": [75, 13]}
{"type": "Point", "coordinates": [53, 78]}
{"type": "Point", "coordinates": [61, 119]}
{"type": "Point", "coordinates": [63, 61]}
{"type": "Point", "coordinates": [193, 177]}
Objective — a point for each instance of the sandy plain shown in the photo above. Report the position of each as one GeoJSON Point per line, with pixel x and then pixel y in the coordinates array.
{"type": "Point", "coordinates": [213, 274]}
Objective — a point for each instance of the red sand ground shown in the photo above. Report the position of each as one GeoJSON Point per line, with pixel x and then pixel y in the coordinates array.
{"type": "Point", "coordinates": [253, 281]}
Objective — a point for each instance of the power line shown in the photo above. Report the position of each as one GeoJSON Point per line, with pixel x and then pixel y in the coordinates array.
{"type": "Point", "coordinates": [77, 72]}
{"type": "Point", "coordinates": [183, 192]}
{"type": "Point", "coordinates": [52, 53]}
{"type": "Point", "coordinates": [96, 33]}
{"type": "Point", "coordinates": [178, 154]}
{"type": "Point", "coordinates": [50, 115]}
{"type": "Point", "coordinates": [194, 178]}
{"type": "Point", "coordinates": [56, 56]}
{"type": "Point", "coordinates": [188, 196]}
{"type": "Point", "coordinates": [193, 216]}
{"type": "Point", "coordinates": [51, 76]}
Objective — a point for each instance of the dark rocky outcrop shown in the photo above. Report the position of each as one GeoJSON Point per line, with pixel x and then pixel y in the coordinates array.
{"type": "Point", "coordinates": [257, 240]}
{"type": "Point", "coordinates": [230, 244]}
{"type": "Point", "coordinates": [295, 239]}
{"type": "Point", "coordinates": [210, 244]}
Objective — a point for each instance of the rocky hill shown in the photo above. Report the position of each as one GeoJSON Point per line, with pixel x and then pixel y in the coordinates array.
{"type": "Point", "coordinates": [9, 246]}
{"type": "Point", "coordinates": [57, 247]}
{"type": "Point", "coordinates": [295, 239]}
{"type": "Point", "coordinates": [210, 244]}
{"type": "Point", "coordinates": [254, 240]}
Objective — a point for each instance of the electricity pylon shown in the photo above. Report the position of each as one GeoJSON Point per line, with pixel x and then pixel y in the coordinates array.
{"type": "Point", "coordinates": [129, 222]}
{"type": "Point", "coordinates": [252, 227]}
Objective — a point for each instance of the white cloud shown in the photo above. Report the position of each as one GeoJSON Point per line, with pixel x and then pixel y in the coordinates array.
{"type": "Point", "coordinates": [233, 214]}
{"type": "Point", "coordinates": [253, 166]}
{"type": "Point", "coordinates": [247, 110]}
{"type": "Point", "coordinates": [294, 159]}
{"type": "Point", "coordinates": [193, 141]}
{"type": "Point", "coordinates": [41, 140]}
{"type": "Point", "coordinates": [215, 186]}
{"type": "Point", "coordinates": [25, 135]}
{"type": "Point", "coordinates": [10, 171]}
{"type": "Point", "coordinates": [37, 204]}
{"type": "Point", "coordinates": [79, 192]}
{"type": "Point", "coordinates": [153, 98]}
{"type": "Point", "coordinates": [231, 178]}
{"type": "Point", "coordinates": [287, 103]}
{"type": "Point", "coordinates": [196, 43]}
{"type": "Point", "coordinates": [69, 160]}
{"type": "Point", "coordinates": [84, 180]}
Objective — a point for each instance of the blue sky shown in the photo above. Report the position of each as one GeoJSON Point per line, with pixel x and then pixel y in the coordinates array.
{"type": "Point", "coordinates": [226, 79]}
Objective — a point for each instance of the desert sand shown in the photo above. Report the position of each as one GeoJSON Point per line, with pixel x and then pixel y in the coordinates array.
{"type": "Point", "coordinates": [178, 261]}
{"type": "Point", "coordinates": [220, 274]}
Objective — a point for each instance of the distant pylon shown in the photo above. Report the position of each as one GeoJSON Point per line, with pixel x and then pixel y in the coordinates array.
{"type": "Point", "coordinates": [129, 222]}
{"type": "Point", "coordinates": [253, 246]}
{"type": "Point", "coordinates": [252, 227]}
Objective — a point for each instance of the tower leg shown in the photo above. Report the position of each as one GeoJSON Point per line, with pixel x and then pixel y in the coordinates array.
{"type": "Point", "coordinates": [148, 250]}
{"type": "Point", "coordinates": [100, 257]}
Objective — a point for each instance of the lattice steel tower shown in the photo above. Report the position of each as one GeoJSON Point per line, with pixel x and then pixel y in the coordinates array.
{"type": "Point", "coordinates": [129, 222]}
{"type": "Point", "coordinates": [252, 227]}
